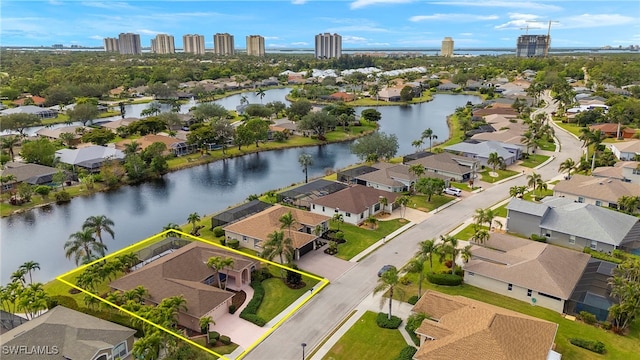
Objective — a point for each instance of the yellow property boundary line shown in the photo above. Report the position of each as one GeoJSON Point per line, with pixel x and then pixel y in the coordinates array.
{"type": "Point", "coordinates": [323, 282]}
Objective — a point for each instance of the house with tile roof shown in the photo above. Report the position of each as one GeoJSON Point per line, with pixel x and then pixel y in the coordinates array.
{"type": "Point", "coordinates": [482, 150]}
{"type": "Point", "coordinates": [627, 171]}
{"type": "Point", "coordinates": [32, 174]}
{"type": "Point", "coordinates": [356, 203]}
{"type": "Point", "coordinates": [456, 168]}
{"type": "Point", "coordinates": [461, 328]}
{"type": "Point", "coordinates": [174, 145]}
{"type": "Point", "coordinates": [625, 150]}
{"type": "Point", "coordinates": [254, 230]}
{"type": "Point", "coordinates": [185, 272]}
{"type": "Point", "coordinates": [574, 225]}
{"type": "Point", "coordinates": [595, 190]}
{"type": "Point", "coordinates": [612, 130]}
{"type": "Point", "coordinates": [534, 272]}
{"type": "Point", "coordinates": [62, 333]}
{"type": "Point", "coordinates": [34, 99]}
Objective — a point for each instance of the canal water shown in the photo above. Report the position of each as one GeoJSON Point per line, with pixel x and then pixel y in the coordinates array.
{"type": "Point", "coordinates": [143, 210]}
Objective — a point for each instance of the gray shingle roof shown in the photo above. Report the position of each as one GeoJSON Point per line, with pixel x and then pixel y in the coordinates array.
{"type": "Point", "coordinates": [482, 149]}
{"type": "Point", "coordinates": [88, 154]}
{"type": "Point", "coordinates": [527, 207]}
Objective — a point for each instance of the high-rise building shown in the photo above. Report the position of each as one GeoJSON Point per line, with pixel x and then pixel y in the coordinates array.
{"type": "Point", "coordinates": [532, 45]}
{"type": "Point", "coordinates": [223, 44]}
{"type": "Point", "coordinates": [328, 46]}
{"type": "Point", "coordinates": [129, 43]}
{"type": "Point", "coordinates": [447, 47]}
{"type": "Point", "coordinates": [163, 44]}
{"type": "Point", "coordinates": [193, 44]}
{"type": "Point", "coordinates": [255, 45]}
{"type": "Point", "coordinates": [111, 45]}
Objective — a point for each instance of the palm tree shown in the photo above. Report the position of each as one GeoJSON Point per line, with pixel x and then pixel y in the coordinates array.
{"type": "Point", "coordinates": [428, 134]}
{"type": "Point", "coordinates": [495, 160]}
{"type": "Point", "coordinates": [172, 226]}
{"type": "Point", "coordinates": [337, 219]}
{"type": "Point", "coordinates": [417, 170]}
{"type": "Point", "coordinates": [480, 236]}
{"type": "Point", "coordinates": [480, 217]}
{"type": "Point", "coordinates": [529, 139]}
{"type": "Point", "coordinates": [227, 263]}
{"type": "Point", "coordinates": [261, 94]}
{"type": "Point", "coordinates": [389, 280]}
{"type": "Point", "coordinates": [287, 221]}
{"type": "Point", "coordinates": [595, 140]}
{"type": "Point", "coordinates": [18, 276]}
{"type": "Point", "coordinates": [417, 144]}
{"type": "Point", "coordinates": [629, 203]}
{"type": "Point", "coordinates": [534, 180]}
{"type": "Point", "coordinates": [416, 266]}
{"type": "Point", "coordinates": [427, 250]}
{"type": "Point", "coordinates": [384, 202]}
{"type": "Point", "coordinates": [131, 148]}
{"type": "Point", "coordinates": [193, 220]}
{"type": "Point", "coordinates": [216, 263]}
{"type": "Point", "coordinates": [82, 246]}
{"type": "Point", "coordinates": [29, 266]}
{"type": "Point", "coordinates": [567, 166]}
{"type": "Point", "coordinates": [305, 161]}
{"type": "Point", "coordinates": [375, 91]}
{"type": "Point", "coordinates": [8, 142]}
{"type": "Point", "coordinates": [372, 221]}
{"type": "Point", "coordinates": [402, 201]}
{"type": "Point", "coordinates": [517, 191]}
{"type": "Point", "coordinates": [450, 244]}
{"type": "Point", "coordinates": [465, 253]}
{"type": "Point", "coordinates": [98, 224]}
{"type": "Point", "coordinates": [204, 325]}
{"type": "Point", "coordinates": [278, 245]}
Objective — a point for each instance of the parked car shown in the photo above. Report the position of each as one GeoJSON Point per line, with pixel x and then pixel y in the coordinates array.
{"type": "Point", "coordinates": [384, 269]}
{"type": "Point", "coordinates": [453, 191]}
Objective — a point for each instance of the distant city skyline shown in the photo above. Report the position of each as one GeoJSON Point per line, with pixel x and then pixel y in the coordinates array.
{"type": "Point", "coordinates": [362, 24]}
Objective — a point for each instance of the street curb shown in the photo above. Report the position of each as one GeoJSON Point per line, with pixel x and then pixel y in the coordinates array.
{"type": "Point", "coordinates": [381, 242]}
{"type": "Point", "coordinates": [550, 159]}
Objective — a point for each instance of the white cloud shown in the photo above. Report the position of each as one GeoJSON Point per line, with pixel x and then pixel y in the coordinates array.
{"type": "Point", "coordinates": [519, 20]}
{"type": "Point", "coordinates": [501, 4]}
{"type": "Point", "coordinates": [300, 43]}
{"type": "Point", "coordinates": [597, 20]}
{"type": "Point", "coordinates": [149, 32]}
{"type": "Point", "coordinates": [453, 17]}
{"type": "Point", "coordinates": [97, 37]}
{"type": "Point", "coordinates": [108, 5]}
{"type": "Point", "coordinates": [364, 3]}
{"type": "Point", "coordinates": [348, 39]}
{"type": "Point", "coordinates": [271, 38]}
{"type": "Point", "coordinates": [276, 46]}
{"type": "Point", "coordinates": [298, 2]}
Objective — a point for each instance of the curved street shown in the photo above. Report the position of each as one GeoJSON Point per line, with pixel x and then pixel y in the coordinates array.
{"type": "Point", "coordinates": [320, 316]}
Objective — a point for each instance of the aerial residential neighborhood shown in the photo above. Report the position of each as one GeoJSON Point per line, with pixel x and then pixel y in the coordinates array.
{"type": "Point", "coordinates": [306, 188]}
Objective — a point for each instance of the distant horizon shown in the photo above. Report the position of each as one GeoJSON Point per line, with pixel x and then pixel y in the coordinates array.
{"type": "Point", "coordinates": [287, 24]}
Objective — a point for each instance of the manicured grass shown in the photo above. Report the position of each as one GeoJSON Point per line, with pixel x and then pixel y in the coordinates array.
{"type": "Point", "coordinates": [534, 160]}
{"type": "Point", "coordinates": [572, 128]}
{"type": "Point", "coordinates": [420, 202]}
{"type": "Point", "coordinates": [467, 232]}
{"type": "Point", "coordinates": [365, 340]}
{"type": "Point", "coordinates": [360, 238]}
{"type": "Point", "coordinates": [529, 196]}
{"type": "Point", "coordinates": [502, 174]}
{"type": "Point", "coordinates": [462, 186]}
{"type": "Point", "coordinates": [547, 145]}
{"type": "Point", "coordinates": [279, 296]}
{"type": "Point", "coordinates": [7, 209]}
{"type": "Point", "coordinates": [618, 347]}
{"type": "Point", "coordinates": [455, 132]}
{"type": "Point", "coordinates": [501, 211]}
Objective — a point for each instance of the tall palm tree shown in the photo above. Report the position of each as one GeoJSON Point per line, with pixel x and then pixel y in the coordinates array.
{"type": "Point", "coordinates": [428, 134]}
{"type": "Point", "coordinates": [29, 266]}
{"type": "Point", "coordinates": [227, 263]}
{"type": "Point", "coordinates": [193, 219]}
{"type": "Point", "coordinates": [216, 263]}
{"type": "Point", "coordinates": [534, 180]}
{"type": "Point", "coordinates": [287, 221]}
{"type": "Point", "coordinates": [204, 325]}
{"type": "Point", "coordinates": [279, 245]}
{"type": "Point", "coordinates": [596, 139]}
{"type": "Point", "coordinates": [629, 203]}
{"type": "Point", "coordinates": [517, 191]}
{"type": "Point", "coordinates": [450, 245]}
{"type": "Point", "coordinates": [389, 280]}
{"type": "Point", "coordinates": [98, 224]}
{"type": "Point", "coordinates": [8, 142]}
{"type": "Point", "coordinates": [384, 202]}
{"type": "Point", "coordinates": [416, 266]}
{"type": "Point", "coordinates": [337, 219]}
{"type": "Point", "coordinates": [18, 276]}
{"type": "Point", "coordinates": [480, 217]}
{"type": "Point", "coordinates": [305, 161]}
{"type": "Point", "coordinates": [402, 201]}
{"type": "Point", "coordinates": [495, 161]}
{"type": "Point", "coordinates": [261, 94]}
{"type": "Point", "coordinates": [426, 251]}
{"type": "Point", "coordinates": [417, 144]}
{"type": "Point", "coordinates": [567, 166]}
{"type": "Point", "coordinates": [83, 246]}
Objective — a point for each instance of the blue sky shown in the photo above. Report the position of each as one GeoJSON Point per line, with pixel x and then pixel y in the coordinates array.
{"type": "Point", "coordinates": [293, 23]}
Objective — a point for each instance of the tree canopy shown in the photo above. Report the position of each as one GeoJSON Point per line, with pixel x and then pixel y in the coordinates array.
{"type": "Point", "coordinates": [378, 144]}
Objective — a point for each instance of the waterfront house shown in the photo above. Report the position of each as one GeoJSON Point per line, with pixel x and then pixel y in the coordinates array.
{"type": "Point", "coordinates": [356, 203]}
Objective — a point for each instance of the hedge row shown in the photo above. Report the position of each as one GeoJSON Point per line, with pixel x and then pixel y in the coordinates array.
{"type": "Point", "coordinates": [444, 279]}
{"type": "Point", "coordinates": [601, 256]}
{"type": "Point", "coordinates": [407, 353]}
{"type": "Point", "coordinates": [595, 346]}
{"type": "Point", "coordinates": [249, 313]}
{"type": "Point", "coordinates": [384, 322]}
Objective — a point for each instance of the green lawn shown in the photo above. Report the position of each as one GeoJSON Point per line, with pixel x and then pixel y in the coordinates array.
{"type": "Point", "coordinates": [572, 128]}
{"type": "Point", "coordinates": [360, 238]}
{"type": "Point", "coordinates": [529, 196]}
{"type": "Point", "coordinates": [467, 232]}
{"type": "Point", "coordinates": [618, 347]}
{"type": "Point", "coordinates": [547, 145]}
{"type": "Point", "coordinates": [501, 210]}
{"type": "Point", "coordinates": [365, 340]}
{"type": "Point", "coordinates": [502, 174]}
{"type": "Point", "coordinates": [420, 202]}
{"type": "Point", "coordinates": [534, 160]}
{"type": "Point", "coordinates": [462, 186]}
{"type": "Point", "coordinates": [279, 296]}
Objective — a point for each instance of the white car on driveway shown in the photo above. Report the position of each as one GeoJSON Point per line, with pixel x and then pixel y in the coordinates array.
{"type": "Point", "coordinates": [453, 191]}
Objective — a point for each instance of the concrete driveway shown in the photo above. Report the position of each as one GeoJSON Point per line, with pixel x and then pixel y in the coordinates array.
{"type": "Point", "coordinates": [323, 265]}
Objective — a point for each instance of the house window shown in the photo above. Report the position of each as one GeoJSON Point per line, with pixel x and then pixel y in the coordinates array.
{"type": "Point", "coordinates": [598, 203]}
{"type": "Point", "coordinates": [377, 207]}
{"type": "Point", "coordinates": [594, 245]}
{"type": "Point", "coordinates": [244, 238]}
{"type": "Point", "coordinates": [510, 287]}
{"type": "Point", "coordinates": [348, 214]}
{"type": "Point", "coordinates": [550, 296]}
{"type": "Point", "coordinates": [529, 292]}
{"type": "Point", "coordinates": [572, 239]}
{"type": "Point", "coordinates": [470, 273]}
{"type": "Point", "coordinates": [323, 209]}
{"type": "Point", "coordinates": [6, 187]}
{"type": "Point", "coordinates": [313, 206]}
{"type": "Point", "coordinates": [548, 233]}
{"type": "Point", "coordinates": [256, 243]}
{"type": "Point", "coordinates": [580, 199]}
{"type": "Point", "coordinates": [120, 350]}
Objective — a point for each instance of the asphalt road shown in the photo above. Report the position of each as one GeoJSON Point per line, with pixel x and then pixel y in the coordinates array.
{"type": "Point", "coordinates": [313, 322]}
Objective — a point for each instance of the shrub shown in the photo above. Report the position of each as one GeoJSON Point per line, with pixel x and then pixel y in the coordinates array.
{"type": "Point", "coordinates": [249, 312]}
{"type": "Point", "coordinates": [294, 278]}
{"type": "Point", "coordinates": [223, 242]}
{"type": "Point", "coordinates": [225, 339]}
{"type": "Point", "coordinates": [384, 322]}
{"type": "Point", "coordinates": [413, 300]}
{"type": "Point", "coordinates": [413, 322]}
{"type": "Point", "coordinates": [536, 237]}
{"type": "Point", "coordinates": [459, 272]}
{"type": "Point", "coordinates": [595, 346]}
{"type": "Point", "coordinates": [62, 300]}
{"type": "Point", "coordinates": [605, 325]}
{"type": "Point", "coordinates": [405, 280]}
{"type": "Point", "coordinates": [63, 196]}
{"type": "Point", "coordinates": [233, 243]}
{"type": "Point", "coordinates": [601, 256]}
{"type": "Point", "coordinates": [213, 337]}
{"type": "Point", "coordinates": [261, 275]}
{"type": "Point", "coordinates": [444, 279]}
{"type": "Point", "coordinates": [407, 353]}
{"type": "Point", "coordinates": [232, 309]}
{"type": "Point", "coordinates": [448, 264]}
{"type": "Point", "coordinates": [588, 317]}
{"type": "Point", "coordinates": [218, 231]}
